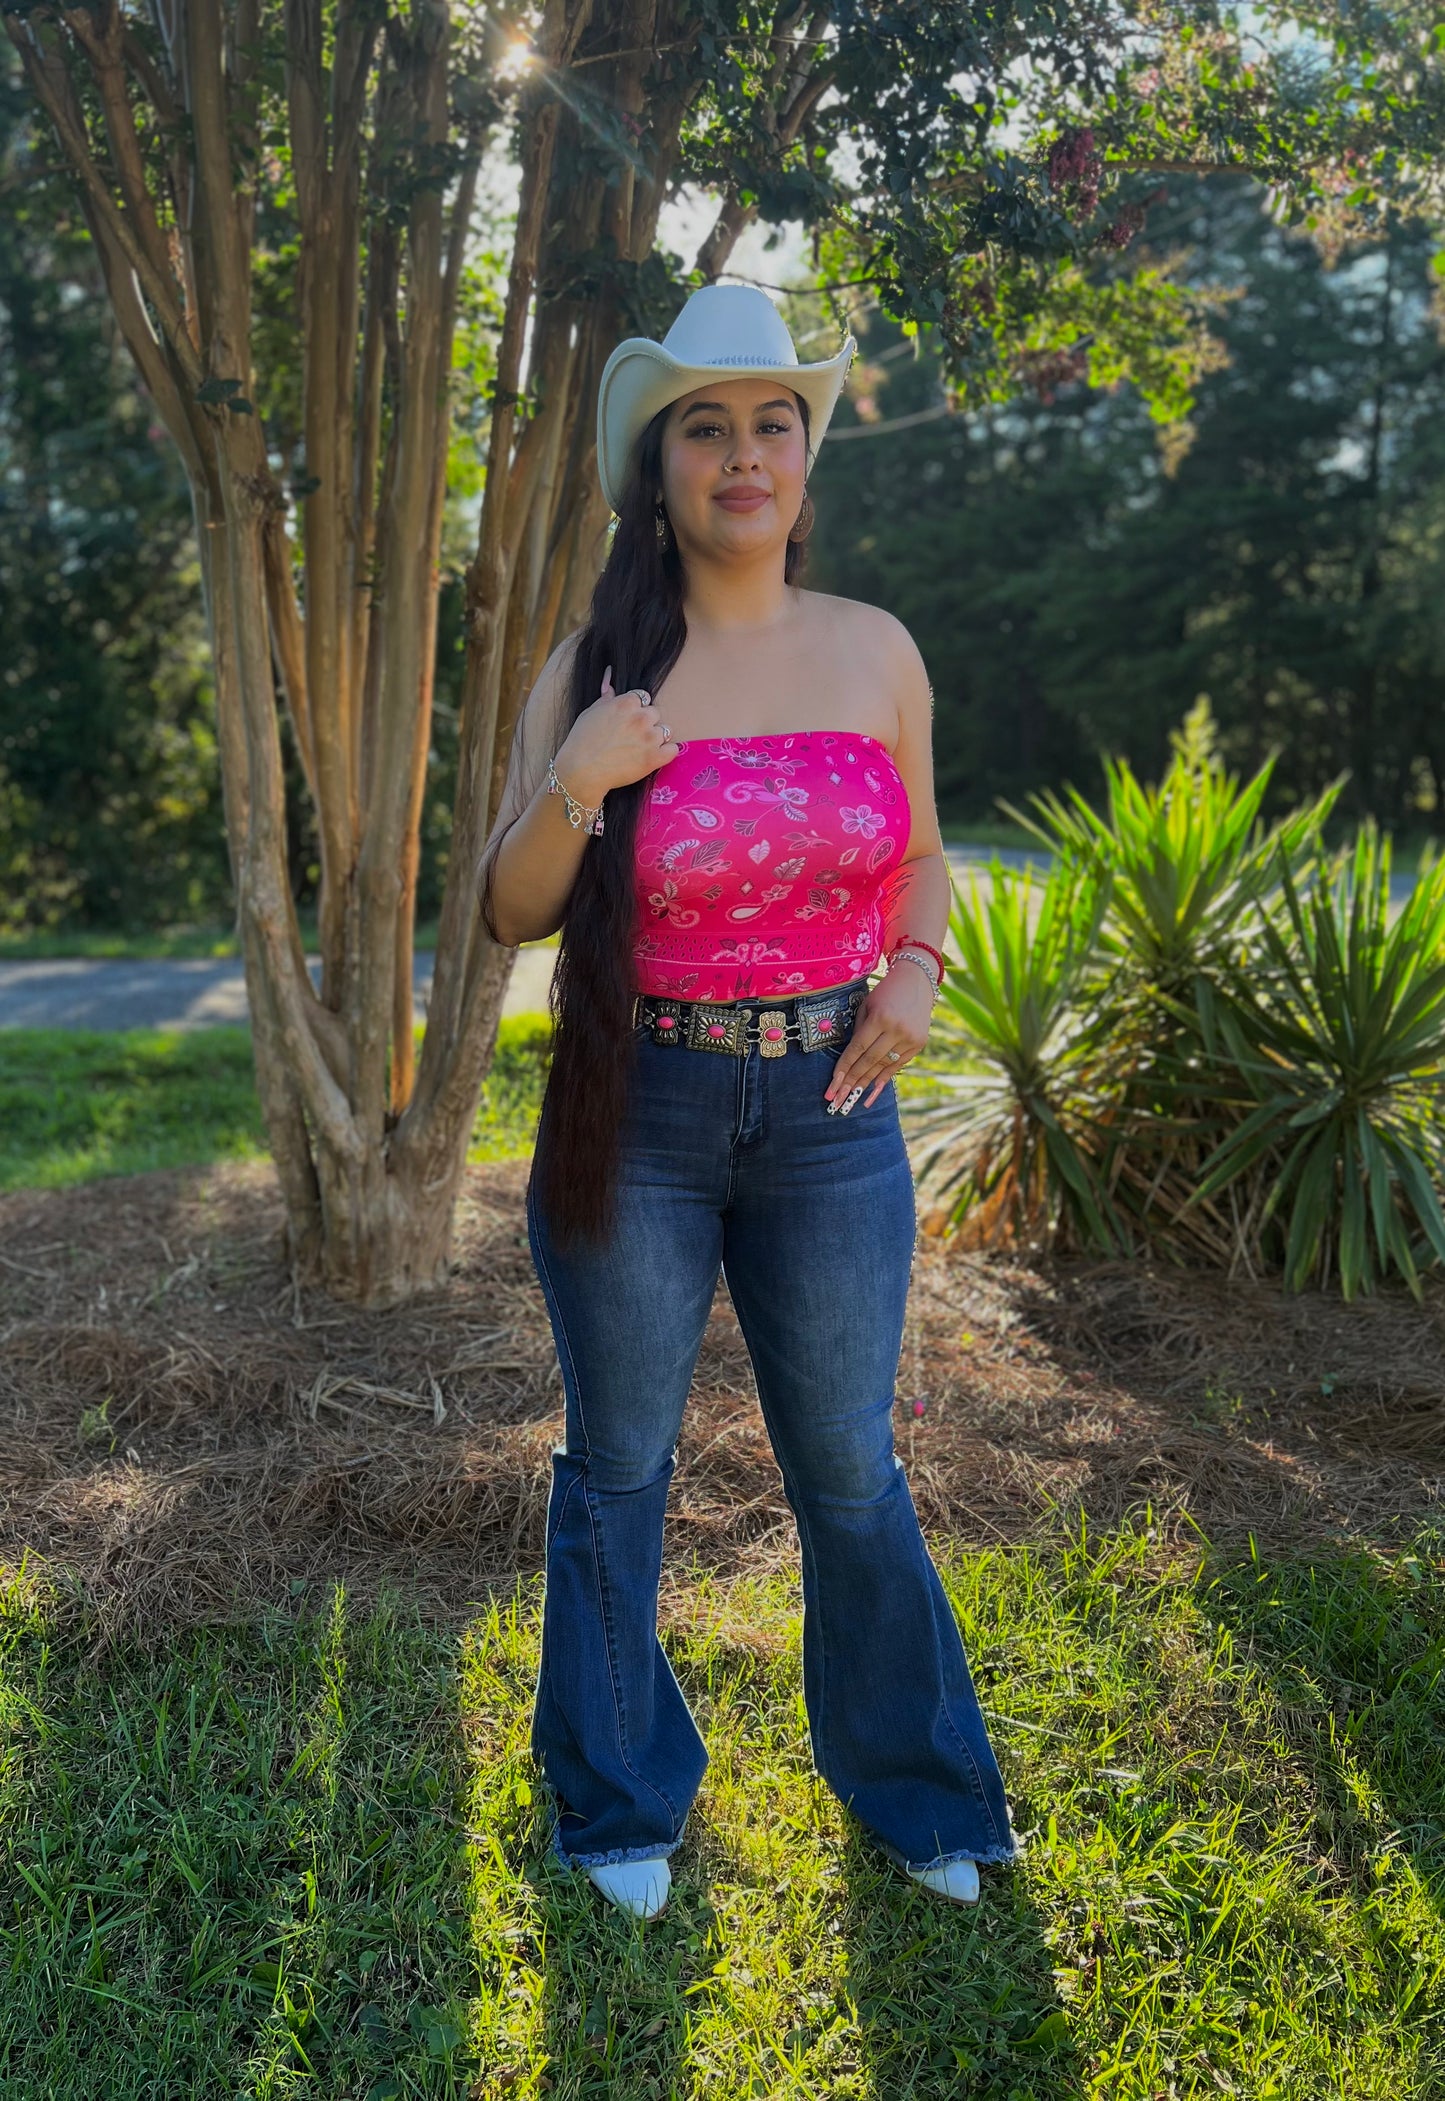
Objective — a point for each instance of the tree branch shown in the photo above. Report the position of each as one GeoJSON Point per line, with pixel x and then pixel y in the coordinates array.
{"type": "Point", "coordinates": [326, 410]}
{"type": "Point", "coordinates": [730, 222]}
{"type": "Point", "coordinates": [803, 104]}
{"type": "Point", "coordinates": [223, 273]}
{"type": "Point", "coordinates": [486, 611]}
{"type": "Point", "coordinates": [54, 90]}
{"type": "Point", "coordinates": [794, 92]}
{"type": "Point", "coordinates": [100, 35]}
{"type": "Point", "coordinates": [403, 1039]}
{"type": "Point", "coordinates": [151, 78]}
{"type": "Point", "coordinates": [289, 637]}
{"type": "Point", "coordinates": [178, 410]}
{"type": "Point", "coordinates": [264, 896]}
{"type": "Point", "coordinates": [422, 50]}
{"type": "Point", "coordinates": [160, 88]}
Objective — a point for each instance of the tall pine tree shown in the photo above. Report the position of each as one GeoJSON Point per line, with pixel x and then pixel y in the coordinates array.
{"type": "Point", "coordinates": [1073, 595]}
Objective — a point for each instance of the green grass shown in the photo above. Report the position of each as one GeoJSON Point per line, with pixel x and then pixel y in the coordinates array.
{"type": "Point", "coordinates": [307, 1856]}
{"type": "Point", "coordinates": [75, 1105]}
{"type": "Point", "coordinates": [511, 1102]}
{"type": "Point", "coordinates": [988, 834]}
{"type": "Point", "coordinates": [215, 940]}
{"type": "Point", "coordinates": [190, 943]}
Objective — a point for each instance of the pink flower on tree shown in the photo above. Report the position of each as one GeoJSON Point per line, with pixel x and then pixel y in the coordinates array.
{"type": "Point", "coordinates": [1076, 168]}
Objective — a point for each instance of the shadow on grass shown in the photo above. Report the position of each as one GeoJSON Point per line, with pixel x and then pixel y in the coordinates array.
{"type": "Point", "coordinates": [615, 2015]}
{"type": "Point", "coordinates": [307, 1852]}
{"type": "Point", "coordinates": [951, 1999]}
{"type": "Point", "coordinates": [230, 1866]}
{"type": "Point", "coordinates": [1352, 1646]}
{"type": "Point", "coordinates": [792, 1958]}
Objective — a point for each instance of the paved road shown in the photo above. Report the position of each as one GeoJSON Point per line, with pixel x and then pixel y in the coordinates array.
{"type": "Point", "coordinates": [74, 993]}
{"type": "Point", "coordinates": [77, 993]}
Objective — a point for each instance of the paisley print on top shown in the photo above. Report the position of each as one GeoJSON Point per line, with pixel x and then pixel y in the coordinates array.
{"type": "Point", "coordinates": [765, 864]}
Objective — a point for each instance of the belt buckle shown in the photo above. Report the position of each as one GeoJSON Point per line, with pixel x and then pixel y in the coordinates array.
{"type": "Point", "coordinates": [665, 1020]}
{"type": "Point", "coordinates": [772, 1018]}
{"type": "Point", "coordinates": [826, 1021]}
{"type": "Point", "coordinates": [712, 1026]}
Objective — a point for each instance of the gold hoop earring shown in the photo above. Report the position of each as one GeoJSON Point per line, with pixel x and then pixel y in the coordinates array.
{"type": "Point", "coordinates": [806, 518]}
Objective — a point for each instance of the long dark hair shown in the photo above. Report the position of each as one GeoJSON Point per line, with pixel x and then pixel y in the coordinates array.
{"type": "Point", "coordinates": [636, 624]}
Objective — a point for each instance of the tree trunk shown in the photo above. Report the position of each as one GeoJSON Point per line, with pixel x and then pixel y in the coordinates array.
{"type": "Point", "coordinates": [369, 1142]}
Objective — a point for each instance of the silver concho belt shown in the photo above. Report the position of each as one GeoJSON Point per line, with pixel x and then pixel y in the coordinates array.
{"type": "Point", "coordinates": [809, 1019]}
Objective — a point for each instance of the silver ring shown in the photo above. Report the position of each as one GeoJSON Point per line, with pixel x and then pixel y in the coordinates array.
{"type": "Point", "coordinates": [895, 1055]}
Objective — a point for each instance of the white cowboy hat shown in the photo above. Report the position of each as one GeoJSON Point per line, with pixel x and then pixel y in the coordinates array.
{"type": "Point", "coordinates": [724, 332]}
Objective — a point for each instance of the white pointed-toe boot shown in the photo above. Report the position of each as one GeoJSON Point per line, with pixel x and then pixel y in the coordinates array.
{"type": "Point", "coordinates": [958, 1881]}
{"type": "Point", "coordinates": [638, 1887]}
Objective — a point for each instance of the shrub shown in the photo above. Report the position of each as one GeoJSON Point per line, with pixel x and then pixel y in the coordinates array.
{"type": "Point", "coordinates": [1195, 1036]}
{"type": "Point", "coordinates": [1339, 1040]}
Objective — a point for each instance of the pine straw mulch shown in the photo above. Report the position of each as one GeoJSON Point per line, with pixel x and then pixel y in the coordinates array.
{"type": "Point", "coordinates": [185, 1435]}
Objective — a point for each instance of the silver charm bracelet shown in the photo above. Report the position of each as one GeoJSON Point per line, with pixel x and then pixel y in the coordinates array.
{"type": "Point", "coordinates": [579, 816]}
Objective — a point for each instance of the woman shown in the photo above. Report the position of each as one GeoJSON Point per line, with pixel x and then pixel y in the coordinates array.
{"type": "Point", "coordinates": [721, 790]}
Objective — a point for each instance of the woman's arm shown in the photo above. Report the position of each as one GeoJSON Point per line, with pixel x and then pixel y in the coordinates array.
{"type": "Point", "coordinates": [532, 853]}
{"type": "Point", "coordinates": [530, 862]}
{"type": "Point", "coordinates": [918, 897]}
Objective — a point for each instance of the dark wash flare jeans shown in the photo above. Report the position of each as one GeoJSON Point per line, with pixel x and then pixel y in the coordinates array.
{"type": "Point", "coordinates": [734, 1163]}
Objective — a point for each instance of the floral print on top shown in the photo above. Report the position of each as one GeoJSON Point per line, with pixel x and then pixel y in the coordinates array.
{"type": "Point", "coordinates": [764, 865]}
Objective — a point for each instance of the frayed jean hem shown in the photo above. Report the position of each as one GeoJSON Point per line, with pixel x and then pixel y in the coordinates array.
{"type": "Point", "coordinates": [619, 1857]}
{"type": "Point", "coordinates": [990, 1856]}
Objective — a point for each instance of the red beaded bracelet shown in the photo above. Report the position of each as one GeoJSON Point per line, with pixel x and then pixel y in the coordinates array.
{"type": "Point", "coordinates": [912, 941]}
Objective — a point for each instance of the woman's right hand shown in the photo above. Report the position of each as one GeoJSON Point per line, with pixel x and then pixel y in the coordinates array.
{"type": "Point", "coordinates": [613, 742]}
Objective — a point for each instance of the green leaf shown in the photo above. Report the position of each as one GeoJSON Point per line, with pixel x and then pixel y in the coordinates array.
{"type": "Point", "coordinates": [1050, 2037]}
{"type": "Point", "coordinates": [442, 2038]}
{"type": "Point", "coordinates": [434, 2027]}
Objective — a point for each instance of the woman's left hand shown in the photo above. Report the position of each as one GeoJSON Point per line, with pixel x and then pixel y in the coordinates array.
{"type": "Point", "coordinates": [895, 1016]}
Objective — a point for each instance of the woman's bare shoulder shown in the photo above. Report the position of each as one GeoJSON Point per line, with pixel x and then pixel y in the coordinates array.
{"type": "Point", "coordinates": [853, 625]}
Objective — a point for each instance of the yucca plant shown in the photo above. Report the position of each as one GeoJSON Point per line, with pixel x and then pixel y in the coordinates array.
{"type": "Point", "coordinates": [1013, 1149]}
{"type": "Point", "coordinates": [1199, 1035]}
{"type": "Point", "coordinates": [1337, 1033]}
{"type": "Point", "coordinates": [1190, 863]}
{"type": "Point", "coordinates": [1192, 870]}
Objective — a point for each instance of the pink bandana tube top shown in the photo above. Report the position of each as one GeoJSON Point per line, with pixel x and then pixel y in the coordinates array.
{"type": "Point", "coordinates": [764, 865]}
